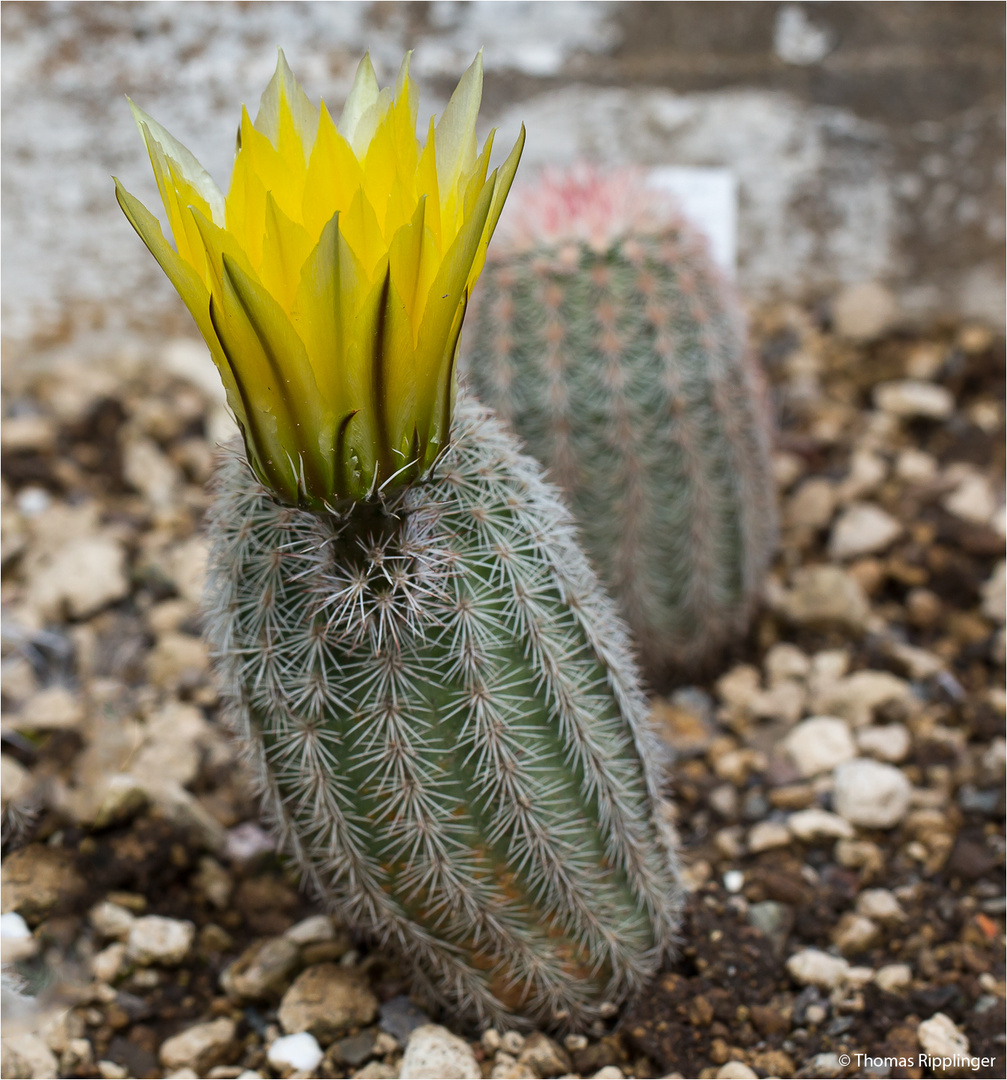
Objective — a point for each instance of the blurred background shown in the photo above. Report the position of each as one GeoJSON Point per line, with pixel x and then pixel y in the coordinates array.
{"type": "Point", "coordinates": [866, 139]}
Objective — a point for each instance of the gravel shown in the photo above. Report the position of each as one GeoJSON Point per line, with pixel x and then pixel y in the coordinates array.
{"type": "Point", "coordinates": [836, 907]}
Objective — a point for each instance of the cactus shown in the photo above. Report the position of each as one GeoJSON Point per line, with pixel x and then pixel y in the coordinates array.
{"type": "Point", "coordinates": [445, 720]}
{"type": "Point", "coordinates": [605, 336]}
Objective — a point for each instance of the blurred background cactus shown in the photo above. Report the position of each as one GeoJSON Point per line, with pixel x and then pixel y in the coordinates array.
{"type": "Point", "coordinates": [608, 339]}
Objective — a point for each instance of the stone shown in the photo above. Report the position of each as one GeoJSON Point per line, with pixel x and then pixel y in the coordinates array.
{"type": "Point", "coordinates": [26, 1057]}
{"type": "Point", "coordinates": [608, 1072]}
{"type": "Point", "coordinates": [916, 467]}
{"type": "Point", "coordinates": [264, 970]}
{"type": "Point", "coordinates": [817, 824]}
{"type": "Point", "coordinates": [311, 931]}
{"type": "Point", "coordinates": [871, 794]}
{"type": "Point", "coordinates": [918, 663]}
{"type": "Point", "coordinates": [864, 311]}
{"type": "Point", "coordinates": [867, 471]}
{"type": "Point", "coordinates": [376, 1070]}
{"type": "Point", "coordinates": [112, 920]}
{"type": "Point", "coordinates": [973, 500]}
{"type": "Point", "coordinates": [894, 978]}
{"type": "Point", "coordinates": [785, 662]}
{"type": "Point", "coordinates": [15, 780]}
{"type": "Point", "coordinates": [825, 1065]}
{"type": "Point", "coordinates": [856, 697]}
{"type": "Point", "coordinates": [819, 743]}
{"type": "Point", "coordinates": [147, 469]}
{"type": "Point", "coordinates": [109, 964]}
{"type": "Point", "coordinates": [767, 835]}
{"type": "Point", "coordinates": [155, 939]}
{"type": "Point", "coordinates": [812, 504]}
{"type": "Point", "coordinates": [400, 1017]}
{"type": "Point", "coordinates": [433, 1052]}
{"type": "Point", "coordinates": [940, 1037]}
{"type": "Point", "coordinates": [54, 709]}
{"type": "Point", "coordinates": [199, 1047]}
{"type": "Point", "coordinates": [81, 577]}
{"type": "Point", "coordinates": [887, 742]}
{"type": "Point", "coordinates": [882, 905]}
{"type": "Point", "coordinates": [213, 882]}
{"type": "Point", "coordinates": [178, 660]}
{"type": "Point", "coordinates": [37, 879]}
{"type": "Point", "coordinates": [543, 1056]}
{"type": "Point", "coordinates": [16, 939]}
{"type": "Point", "coordinates": [824, 596]}
{"type": "Point", "coordinates": [913, 398]}
{"type": "Point", "coordinates": [327, 999]}
{"type": "Point", "coordinates": [862, 529]}
{"type": "Point", "coordinates": [994, 594]}
{"type": "Point", "coordinates": [299, 1052]}
{"type": "Point", "coordinates": [812, 967]}
{"type": "Point", "coordinates": [855, 933]}
{"type": "Point", "coordinates": [773, 919]}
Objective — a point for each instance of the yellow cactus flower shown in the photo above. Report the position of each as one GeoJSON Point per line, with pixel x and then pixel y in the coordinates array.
{"type": "Point", "coordinates": [331, 282]}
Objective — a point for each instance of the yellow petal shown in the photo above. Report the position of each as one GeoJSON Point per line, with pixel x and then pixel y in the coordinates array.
{"type": "Point", "coordinates": [363, 94]}
{"type": "Point", "coordinates": [284, 248]}
{"type": "Point", "coordinates": [455, 136]}
{"type": "Point", "coordinates": [284, 98]}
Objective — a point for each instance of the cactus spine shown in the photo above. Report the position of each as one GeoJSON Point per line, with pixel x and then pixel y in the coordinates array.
{"type": "Point", "coordinates": [448, 730]}
{"type": "Point", "coordinates": [606, 337]}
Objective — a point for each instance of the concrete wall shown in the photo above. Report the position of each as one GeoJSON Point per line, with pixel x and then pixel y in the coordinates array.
{"type": "Point", "coordinates": [867, 138]}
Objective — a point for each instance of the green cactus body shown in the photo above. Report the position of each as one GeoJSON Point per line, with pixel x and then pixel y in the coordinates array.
{"type": "Point", "coordinates": [443, 712]}
{"type": "Point", "coordinates": [605, 336]}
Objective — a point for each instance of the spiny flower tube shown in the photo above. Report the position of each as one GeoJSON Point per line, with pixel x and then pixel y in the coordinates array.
{"type": "Point", "coordinates": [331, 282]}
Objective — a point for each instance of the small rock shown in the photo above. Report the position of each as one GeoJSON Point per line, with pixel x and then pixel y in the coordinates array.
{"type": "Point", "coordinates": [26, 1057]}
{"type": "Point", "coordinates": [857, 696]}
{"type": "Point", "coordinates": [864, 311]}
{"type": "Point", "coordinates": [940, 1037]}
{"type": "Point", "coordinates": [433, 1052]}
{"type": "Point", "coordinates": [37, 878]}
{"type": "Point", "coordinates": [311, 931]}
{"type": "Point", "coordinates": [263, 970]}
{"type": "Point", "coordinates": [545, 1057]}
{"type": "Point", "coordinates": [888, 742]}
{"type": "Point", "coordinates": [178, 660]}
{"type": "Point", "coordinates": [918, 663]}
{"type": "Point", "coordinates": [608, 1072]}
{"type": "Point", "coordinates": [213, 882]}
{"type": "Point", "coordinates": [820, 743]}
{"type": "Point", "coordinates": [916, 467]}
{"type": "Point", "coordinates": [867, 470]}
{"type": "Point", "coordinates": [327, 999]}
{"type": "Point", "coordinates": [812, 504]}
{"type": "Point", "coordinates": [353, 1050]}
{"type": "Point", "coordinates": [199, 1047]}
{"type": "Point", "coordinates": [773, 919]}
{"type": "Point", "coordinates": [17, 939]}
{"type": "Point", "coordinates": [767, 835]}
{"type": "Point", "coordinates": [994, 594]}
{"type": "Point", "coordinates": [376, 1070]}
{"type": "Point", "coordinates": [972, 500]}
{"type": "Point", "coordinates": [894, 978]}
{"type": "Point", "coordinates": [84, 575]}
{"type": "Point", "coordinates": [52, 709]}
{"type": "Point", "coordinates": [154, 939]}
{"type": "Point", "coordinates": [112, 920]}
{"type": "Point", "coordinates": [785, 662]}
{"type": "Point", "coordinates": [862, 529]}
{"type": "Point", "coordinates": [300, 1053]}
{"type": "Point", "coordinates": [825, 1065]}
{"type": "Point", "coordinates": [824, 596]}
{"type": "Point", "coordinates": [812, 967]}
{"type": "Point", "coordinates": [914, 398]}
{"type": "Point", "coordinates": [736, 1070]}
{"type": "Point", "coordinates": [882, 905]}
{"type": "Point", "coordinates": [871, 794]}
{"type": "Point", "coordinates": [108, 965]}
{"type": "Point", "coordinates": [817, 824]}
{"type": "Point", "coordinates": [854, 933]}
{"type": "Point", "coordinates": [112, 1070]}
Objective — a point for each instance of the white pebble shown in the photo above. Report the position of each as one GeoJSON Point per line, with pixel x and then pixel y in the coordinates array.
{"type": "Point", "coordinates": [871, 794]}
{"type": "Point", "coordinates": [940, 1037]}
{"type": "Point", "coordinates": [820, 743]}
{"type": "Point", "coordinates": [914, 397]}
{"type": "Point", "coordinates": [863, 529]}
{"type": "Point", "coordinates": [816, 824]}
{"type": "Point", "coordinates": [736, 1070]}
{"type": "Point", "coordinates": [812, 967]}
{"type": "Point", "coordinates": [434, 1053]}
{"type": "Point", "coordinates": [154, 939]}
{"type": "Point", "coordinates": [299, 1052]}
{"type": "Point", "coordinates": [310, 931]}
{"type": "Point", "coordinates": [13, 927]}
{"type": "Point", "coordinates": [881, 905]}
{"type": "Point", "coordinates": [894, 977]}
{"type": "Point", "coordinates": [972, 500]}
{"type": "Point", "coordinates": [887, 742]}
{"type": "Point", "coordinates": [734, 881]}
{"type": "Point", "coordinates": [766, 835]}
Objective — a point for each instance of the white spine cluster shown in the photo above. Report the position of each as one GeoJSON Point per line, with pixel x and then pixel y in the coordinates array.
{"type": "Point", "coordinates": [448, 728]}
